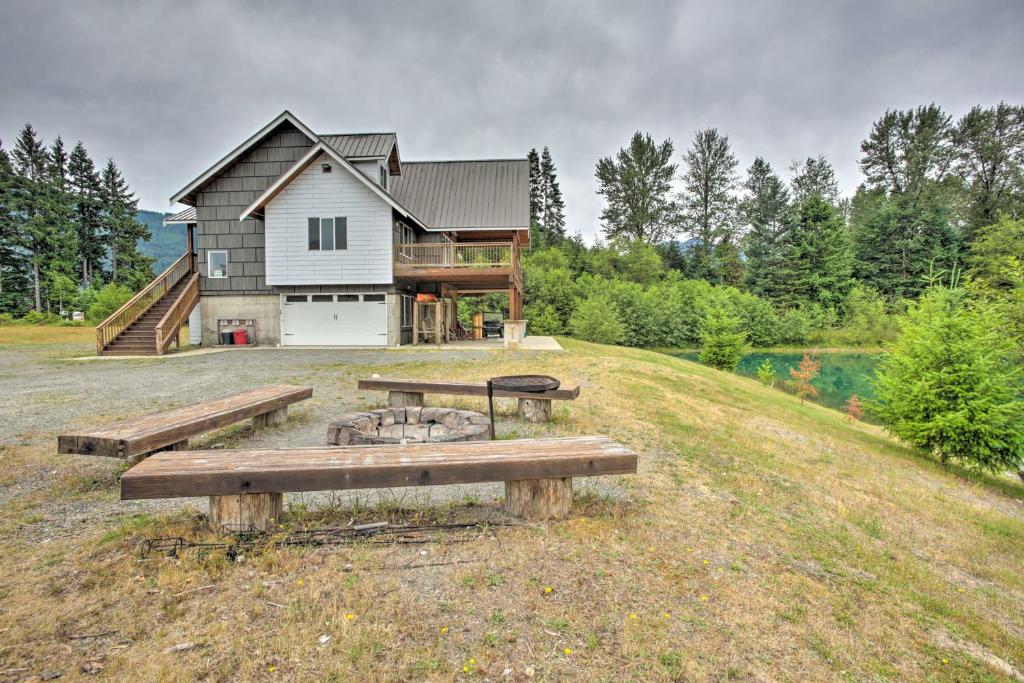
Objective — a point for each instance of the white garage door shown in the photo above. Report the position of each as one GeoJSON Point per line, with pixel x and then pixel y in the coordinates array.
{"type": "Point", "coordinates": [334, 320]}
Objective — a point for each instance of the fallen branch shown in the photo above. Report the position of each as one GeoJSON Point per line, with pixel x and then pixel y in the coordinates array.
{"type": "Point", "coordinates": [86, 636]}
{"type": "Point", "coordinates": [194, 590]}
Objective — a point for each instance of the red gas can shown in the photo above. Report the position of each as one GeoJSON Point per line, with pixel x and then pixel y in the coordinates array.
{"type": "Point", "coordinates": [241, 336]}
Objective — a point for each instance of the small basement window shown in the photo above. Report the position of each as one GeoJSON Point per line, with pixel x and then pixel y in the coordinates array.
{"type": "Point", "coordinates": [373, 297]}
{"type": "Point", "coordinates": [218, 264]}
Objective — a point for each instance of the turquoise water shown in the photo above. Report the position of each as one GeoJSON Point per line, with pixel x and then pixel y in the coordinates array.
{"type": "Point", "coordinates": [842, 373]}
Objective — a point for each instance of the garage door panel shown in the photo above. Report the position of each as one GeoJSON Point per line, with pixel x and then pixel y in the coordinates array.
{"type": "Point", "coordinates": [345, 320]}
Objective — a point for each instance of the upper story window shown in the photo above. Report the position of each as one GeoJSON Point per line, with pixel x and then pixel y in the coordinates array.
{"type": "Point", "coordinates": [328, 234]}
{"type": "Point", "coordinates": [218, 264]}
{"type": "Point", "coordinates": [384, 177]}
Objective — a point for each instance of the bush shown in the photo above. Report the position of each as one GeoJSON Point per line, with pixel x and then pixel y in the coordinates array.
{"type": "Point", "coordinates": [794, 327]}
{"type": "Point", "coordinates": [107, 299]}
{"type": "Point", "coordinates": [544, 319]}
{"type": "Point", "coordinates": [33, 318]}
{"type": "Point", "coordinates": [6, 319]}
{"type": "Point", "coordinates": [722, 342]}
{"type": "Point", "coordinates": [597, 320]}
{"type": "Point", "coordinates": [757, 317]}
{"type": "Point", "coordinates": [867, 322]}
{"type": "Point", "coordinates": [766, 373]}
{"type": "Point", "coordinates": [951, 384]}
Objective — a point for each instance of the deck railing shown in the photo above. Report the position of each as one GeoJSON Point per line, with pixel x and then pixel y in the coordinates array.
{"type": "Point", "coordinates": [169, 327]}
{"type": "Point", "coordinates": [108, 330]}
{"type": "Point", "coordinates": [456, 255]}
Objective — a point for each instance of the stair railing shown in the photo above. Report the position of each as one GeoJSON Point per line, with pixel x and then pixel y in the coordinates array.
{"type": "Point", "coordinates": [169, 327]}
{"type": "Point", "coordinates": [108, 330]}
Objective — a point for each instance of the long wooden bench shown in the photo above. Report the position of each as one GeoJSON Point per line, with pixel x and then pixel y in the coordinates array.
{"type": "Point", "coordinates": [403, 393]}
{"type": "Point", "coordinates": [171, 429]}
{"type": "Point", "coordinates": [246, 486]}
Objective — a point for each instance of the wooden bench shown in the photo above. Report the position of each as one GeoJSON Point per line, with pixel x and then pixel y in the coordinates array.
{"type": "Point", "coordinates": [246, 486]}
{"type": "Point", "coordinates": [403, 393]}
{"type": "Point", "coordinates": [171, 429]}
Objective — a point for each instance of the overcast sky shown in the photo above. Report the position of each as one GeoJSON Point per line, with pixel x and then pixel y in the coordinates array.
{"type": "Point", "coordinates": [167, 88]}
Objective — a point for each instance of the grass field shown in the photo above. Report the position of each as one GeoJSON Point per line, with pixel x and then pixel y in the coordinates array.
{"type": "Point", "coordinates": [762, 539]}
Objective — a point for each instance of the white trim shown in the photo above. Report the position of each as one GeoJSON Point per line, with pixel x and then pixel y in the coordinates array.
{"type": "Point", "coordinates": [241, 149]}
{"type": "Point", "coordinates": [209, 264]}
{"type": "Point", "coordinates": [300, 165]}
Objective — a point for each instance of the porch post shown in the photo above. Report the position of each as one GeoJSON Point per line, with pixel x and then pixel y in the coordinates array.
{"type": "Point", "coordinates": [415, 322]}
{"type": "Point", "coordinates": [438, 312]}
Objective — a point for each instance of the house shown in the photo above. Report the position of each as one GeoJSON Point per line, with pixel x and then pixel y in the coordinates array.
{"type": "Point", "coordinates": [327, 239]}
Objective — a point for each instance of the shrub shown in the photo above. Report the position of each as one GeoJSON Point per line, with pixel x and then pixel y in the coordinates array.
{"type": "Point", "coordinates": [107, 299]}
{"type": "Point", "coordinates": [794, 327]}
{"type": "Point", "coordinates": [802, 376]}
{"type": "Point", "coordinates": [6, 319]}
{"type": "Point", "coordinates": [722, 342]}
{"type": "Point", "coordinates": [597, 320]}
{"type": "Point", "coordinates": [766, 373]}
{"type": "Point", "coordinates": [33, 318]}
{"type": "Point", "coordinates": [544, 319]}
{"type": "Point", "coordinates": [866, 321]}
{"type": "Point", "coordinates": [951, 384]}
{"type": "Point", "coordinates": [757, 317]}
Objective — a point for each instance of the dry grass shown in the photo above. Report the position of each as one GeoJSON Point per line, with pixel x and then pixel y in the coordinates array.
{"type": "Point", "coordinates": [36, 335]}
{"type": "Point", "coordinates": [761, 540]}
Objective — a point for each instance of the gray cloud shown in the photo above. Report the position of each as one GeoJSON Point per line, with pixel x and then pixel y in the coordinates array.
{"type": "Point", "coordinates": [166, 88]}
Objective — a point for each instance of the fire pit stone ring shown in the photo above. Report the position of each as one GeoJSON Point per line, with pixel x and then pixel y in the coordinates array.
{"type": "Point", "coordinates": [407, 425]}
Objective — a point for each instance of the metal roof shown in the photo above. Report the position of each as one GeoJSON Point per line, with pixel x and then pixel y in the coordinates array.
{"type": "Point", "coordinates": [491, 193]}
{"type": "Point", "coordinates": [186, 216]}
{"type": "Point", "coordinates": [361, 145]}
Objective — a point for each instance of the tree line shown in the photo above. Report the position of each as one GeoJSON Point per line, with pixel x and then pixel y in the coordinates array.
{"type": "Point", "coordinates": [930, 186]}
{"type": "Point", "coordinates": [67, 229]}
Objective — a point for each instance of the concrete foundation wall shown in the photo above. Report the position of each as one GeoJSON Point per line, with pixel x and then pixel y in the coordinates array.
{"type": "Point", "coordinates": [265, 309]}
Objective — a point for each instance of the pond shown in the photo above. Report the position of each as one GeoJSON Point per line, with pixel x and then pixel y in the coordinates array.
{"type": "Point", "coordinates": [843, 373]}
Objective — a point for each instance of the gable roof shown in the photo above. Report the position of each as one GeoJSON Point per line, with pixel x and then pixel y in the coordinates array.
{"type": "Point", "coordinates": [256, 138]}
{"type": "Point", "coordinates": [187, 216]}
{"type": "Point", "coordinates": [487, 193]}
{"type": "Point", "coordinates": [302, 164]}
{"type": "Point", "coordinates": [367, 146]}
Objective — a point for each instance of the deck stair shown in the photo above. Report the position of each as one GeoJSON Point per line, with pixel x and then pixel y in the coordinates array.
{"type": "Point", "coordinates": [151, 320]}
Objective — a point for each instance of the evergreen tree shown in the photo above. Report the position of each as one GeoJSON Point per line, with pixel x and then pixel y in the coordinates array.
{"type": "Point", "coordinates": [86, 193]}
{"type": "Point", "coordinates": [120, 229]}
{"type": "Point", "coordinates": [817, 260]}
{"type": "Point", "coordinates": [29, 154]}
{"type": "Point", "coordinates": [536, 198]}
{"type": "Point", "coordinates": [722, 342]}
{"type": "Point", "coordinates": [764, 209]}
{"type": "Point", "coordinates": [637, 186]}
{"type": "Point", "coordinates": [953, 385]}
{"type": "Point", "coordinates": [709, 207]}
{"type": "Point", "coordinates": [59, 274]}
{"type": "Point", "coordinates": [814, 176]}
{"type": "Point", "coordinates": [990, 161]}
{"type": "Point", "coordinates": [909, 151]}
{"type": "Point", "coordinates": [14, 283]}
{"type": "Point", "coordinates": [554, 207]}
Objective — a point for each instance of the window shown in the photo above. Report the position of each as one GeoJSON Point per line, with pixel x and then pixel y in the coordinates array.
{"type": "Point", "coordinates": [348, 298]}
{"type": "Point", "coordinates": [328, 234]}
{"type": "Point", "coordinates": [218, 263]}
{"type": "Point", "coordinates": [406, 234]}
{"type": "Point", "coordinates": [322, 298]}
{"type": "Point", "coordinates": [296, 299]}
{"type": "Point", "coordinates": [384, 177]}
{"type": "Point", "coordinates": [407, 303]}
{"type": "Point", "coordinates": [373, 297]}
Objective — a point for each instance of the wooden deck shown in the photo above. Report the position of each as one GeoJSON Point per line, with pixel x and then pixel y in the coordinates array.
{"type": "Point", "coordinates": [141, 435]}
{"type": "Point", "coordinates": [175, 474]}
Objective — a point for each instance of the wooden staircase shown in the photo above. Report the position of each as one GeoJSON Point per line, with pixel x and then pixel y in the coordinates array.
{"type": "Point", "coordinates": [152, 319]}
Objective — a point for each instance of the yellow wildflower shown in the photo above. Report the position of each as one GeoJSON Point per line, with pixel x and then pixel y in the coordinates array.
{"type": "Point", "coordinates": [548, 589]}
{"type": "Point", "coordinates": [632, 615]}
{"type": "Point", "coordinates": [568, 651]}
{"type": "Point", "coordinates": [350, 616]}
{"type": "Point", "coordinates": [703, 598]}
{"type": "Point", "coordinates": [444, 630]}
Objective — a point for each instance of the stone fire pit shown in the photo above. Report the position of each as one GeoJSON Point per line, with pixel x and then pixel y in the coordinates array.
{"type": "Point", "coordinates": [407, 425]}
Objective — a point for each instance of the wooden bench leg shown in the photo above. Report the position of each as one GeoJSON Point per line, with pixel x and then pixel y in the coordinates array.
{"type": "Point", "coordinates": [536, 499]}
{"type": "Point", "coordinates": [271, 419]}
{"type": "Point", "coordinates": [535, 409]}
{"type": "Point", "coordinates": [246, 511]}
{"type": "Point", "coordinates": [405, 399]}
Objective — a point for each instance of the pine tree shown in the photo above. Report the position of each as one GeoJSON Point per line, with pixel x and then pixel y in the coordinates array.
{"type": "Point", "coordinates": [536, 198]}
{"type": "Point", "coordinates": [554, 207]}
{"type": "Point", "coordinates": [709, 207]}
{"type": "Point", "coordinates": [38, 215]}
{"type": "Point", "coordinates": [817, 259]}
{"type": "Point", "coordinates": [29, 154]}
{"type": "Point", "coordinates": [120, 229]}
{"type": "Point", "coordinates": [14, 282]}
{"type": "Point", "coordinates": [814, 176]}
{"type": "Point", "coordinates": [764, 209]}
{"type": "Point", "coordinates": [85, 190]}
{"type": "Point", "coordinates": [59, 273]}
{"type": "Point", "coordinates": [637, 186]}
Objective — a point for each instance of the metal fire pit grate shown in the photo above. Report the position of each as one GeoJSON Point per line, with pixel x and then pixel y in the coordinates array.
{"type": "Point", "coordinates": [533, 384]}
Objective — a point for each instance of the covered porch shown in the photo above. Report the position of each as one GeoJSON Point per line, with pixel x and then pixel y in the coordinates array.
{"type": "Point", "coordinates": [451, 270]}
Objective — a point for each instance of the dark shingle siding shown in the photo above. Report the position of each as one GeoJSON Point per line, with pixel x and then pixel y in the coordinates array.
{"type": "Point", "coordinates": [224, 198]}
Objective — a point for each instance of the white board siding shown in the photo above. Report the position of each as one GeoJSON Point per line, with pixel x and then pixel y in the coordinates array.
{"type": "Point", "coordinates": [367, 260]}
